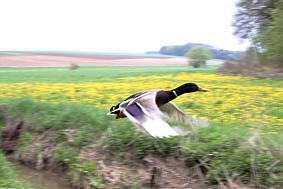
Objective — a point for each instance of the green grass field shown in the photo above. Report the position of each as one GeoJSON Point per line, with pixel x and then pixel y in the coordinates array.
{"type": "Point", "coordinates": [245, 115]}
{"type": "Point", "coordinates": [89, 73]}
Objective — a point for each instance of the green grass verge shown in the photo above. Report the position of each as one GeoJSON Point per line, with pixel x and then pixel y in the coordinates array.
{"type": "Point", "coordinates": [43, 116]}
{"type": "Point", "coordinates": [220, 150]}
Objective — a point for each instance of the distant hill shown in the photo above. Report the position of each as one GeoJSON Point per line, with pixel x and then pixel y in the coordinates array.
{"type": "Point", "coordinates": [181, 50]}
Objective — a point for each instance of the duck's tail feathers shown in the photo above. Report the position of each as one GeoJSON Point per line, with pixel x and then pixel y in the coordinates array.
{"type": "Point", "coordinates": [114, 112]}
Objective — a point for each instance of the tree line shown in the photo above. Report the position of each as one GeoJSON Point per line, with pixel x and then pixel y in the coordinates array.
{"type": "Point", "coordinates": [181, 50]}
{"type": "Point", "coordinates": [261, 22]}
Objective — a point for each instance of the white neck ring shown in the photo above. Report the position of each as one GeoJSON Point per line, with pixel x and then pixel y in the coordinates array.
{"type": "Point", "coordinates": [175, 93]}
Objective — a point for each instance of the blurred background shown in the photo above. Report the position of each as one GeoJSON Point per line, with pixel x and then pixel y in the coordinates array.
{"type": "Point", "coordinates": [63, 64]}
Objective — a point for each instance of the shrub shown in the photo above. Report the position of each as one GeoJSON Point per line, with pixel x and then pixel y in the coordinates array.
{"type": "Point", "coordinates": [196, 63]}
{"type": "Point", "coordinates": [198, 56]}
{"type": "Point", "coordinates": [74, 66]}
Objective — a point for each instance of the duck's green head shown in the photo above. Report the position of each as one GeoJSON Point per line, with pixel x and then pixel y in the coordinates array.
{"type": "Point", "coordinates": [188, 88]}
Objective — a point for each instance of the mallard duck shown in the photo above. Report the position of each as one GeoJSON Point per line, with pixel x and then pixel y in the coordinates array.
{"type": "Point", "coordinates": [147, 109]}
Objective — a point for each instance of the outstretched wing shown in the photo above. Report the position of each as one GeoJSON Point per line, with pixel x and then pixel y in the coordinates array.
{"type": "Point", "coordinates": [149, 119]}
{"type": "Point", "coordinates": [173, 112]}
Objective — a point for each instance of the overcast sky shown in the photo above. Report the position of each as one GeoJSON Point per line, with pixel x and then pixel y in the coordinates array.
{"type": "Point", "coordinates": [115, 25]}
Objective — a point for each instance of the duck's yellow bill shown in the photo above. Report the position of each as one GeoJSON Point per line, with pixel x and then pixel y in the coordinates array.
{"type": "Point", "coordinates": [203, 90]}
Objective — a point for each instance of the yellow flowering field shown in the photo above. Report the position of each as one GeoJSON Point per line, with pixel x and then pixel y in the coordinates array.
{"type": "Point", "coordinates": [232, 98]}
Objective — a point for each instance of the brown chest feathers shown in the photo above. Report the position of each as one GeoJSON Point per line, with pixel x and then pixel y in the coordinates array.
{"type": "Point", "coordinates": [163, 97]}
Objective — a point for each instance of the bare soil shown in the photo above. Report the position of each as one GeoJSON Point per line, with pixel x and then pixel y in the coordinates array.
{"type": "Point", "coordinates": [128, 171]}
{"type": "Point", "coordinates": [66, 59]}
{"type": "Point", "coordinates": [10, 136]}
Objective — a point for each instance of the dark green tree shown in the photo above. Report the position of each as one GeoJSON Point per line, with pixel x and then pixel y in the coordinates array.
{"type": "Point", "coordinates": [253, 17]}
{"type": "Point", "coordinates": [198, 56]}
{"type": "Point", "coordinates": [261, 21]}
{"type": "Point", "coordinates": [272, 39]}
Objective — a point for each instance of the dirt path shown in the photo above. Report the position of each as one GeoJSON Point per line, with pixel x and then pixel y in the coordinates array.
{"type": "Point", "coordinates": [65, 60]}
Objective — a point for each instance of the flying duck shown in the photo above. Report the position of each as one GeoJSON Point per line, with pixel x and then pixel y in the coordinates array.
{"type": "Point", "coordinates": [147, 109]}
